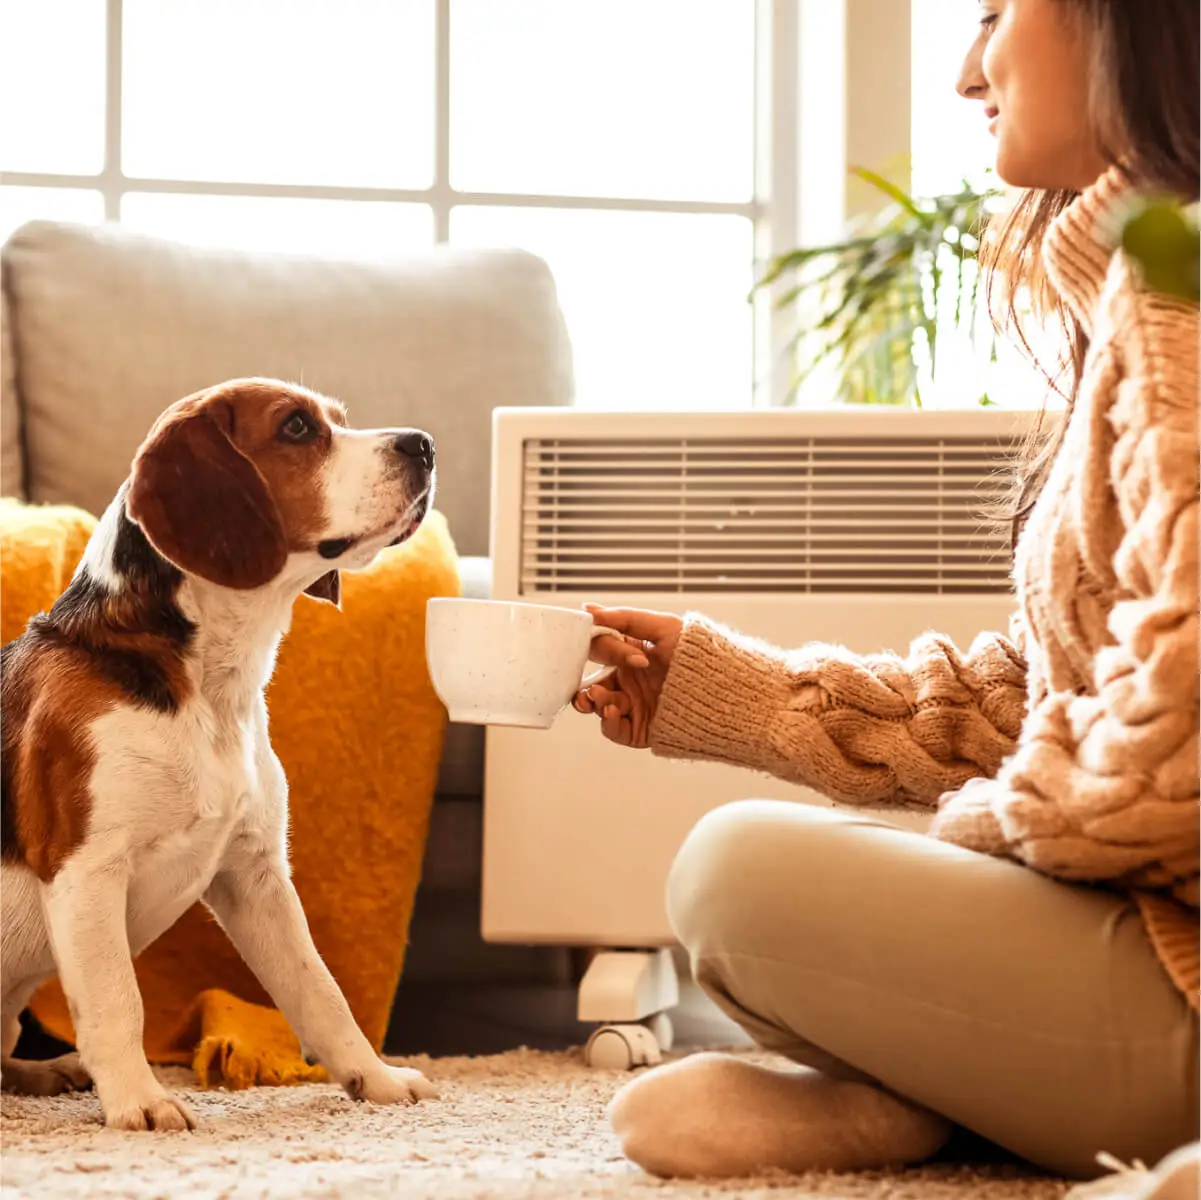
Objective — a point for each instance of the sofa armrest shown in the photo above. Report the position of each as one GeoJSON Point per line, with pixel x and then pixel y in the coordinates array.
{"type": "Point", "coordinates": [476, 574]}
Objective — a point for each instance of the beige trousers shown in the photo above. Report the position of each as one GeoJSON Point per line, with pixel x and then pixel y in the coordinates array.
{"type": "Point", "coordinates": [1032, 1012]}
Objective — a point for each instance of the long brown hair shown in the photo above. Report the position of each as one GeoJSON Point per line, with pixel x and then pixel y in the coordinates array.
{"type": "Point", "coordinates": [1143, 109]}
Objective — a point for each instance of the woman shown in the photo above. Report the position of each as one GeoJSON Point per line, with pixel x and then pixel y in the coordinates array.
{"type": "Point", "coordinates": [1030, 969]}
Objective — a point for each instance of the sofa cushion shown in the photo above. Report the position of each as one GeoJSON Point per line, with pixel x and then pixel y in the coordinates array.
{"type": "Point", "coordinates": [110, 327]}
{"type": "Point", "coordinates": [12, 475]}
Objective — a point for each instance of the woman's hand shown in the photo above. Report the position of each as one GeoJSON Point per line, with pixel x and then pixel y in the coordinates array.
{"type": "Point", "coordinates": [966, 818]}
{"type": "Point", "coordinates": [626, 701]}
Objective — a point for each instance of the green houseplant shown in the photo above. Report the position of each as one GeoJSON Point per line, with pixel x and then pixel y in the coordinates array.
{"type": "Point", "coordinates": [875, 305]}
{"type": "Point", "coordinates": [1162, 238]}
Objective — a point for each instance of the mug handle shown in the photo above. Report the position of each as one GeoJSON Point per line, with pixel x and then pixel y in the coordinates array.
{"type": "Point", "coordinates": [601, 672]}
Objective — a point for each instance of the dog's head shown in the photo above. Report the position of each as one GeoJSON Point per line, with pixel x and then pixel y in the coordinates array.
{"type": "Point", "coordinates": [256, 482]}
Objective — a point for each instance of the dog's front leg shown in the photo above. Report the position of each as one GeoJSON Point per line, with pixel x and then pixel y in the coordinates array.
{"type": "Point", "coordinates": [257, 905]}
{"type": "Point", "coordinates": [85, 906]}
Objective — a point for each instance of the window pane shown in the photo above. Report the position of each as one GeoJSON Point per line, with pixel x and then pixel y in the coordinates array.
{"type": "Point", "coordinates": [639, 98]}
{"type": "Point", "coordinates": [951, 142]}
{"type": "Point", "coordinates": [52, 85]}
{"type": "Point", "coordinates": [280, 91]}
{"type": "Point", "coordinates": [950, 135]}
{"type": "Point", "coordinates": [21, 204]}
{"type": "Point", "coordinates": [325, 228]}
{"type": "Point", "coordinates": [656, 303]}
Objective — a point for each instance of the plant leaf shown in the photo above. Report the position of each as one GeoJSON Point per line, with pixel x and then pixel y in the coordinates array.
{"type": "Point", "coordinates": [889, 189]}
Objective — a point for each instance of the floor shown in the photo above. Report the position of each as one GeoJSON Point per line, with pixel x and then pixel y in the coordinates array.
{"type": "Point", "coordinates": [523, 1117]}
{"type": "Point", "coordinates": [527, 1124]}
{"type": "Point", "coordinates": [511, 1123]}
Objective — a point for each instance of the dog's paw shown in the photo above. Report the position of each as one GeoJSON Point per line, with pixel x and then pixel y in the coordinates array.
{"type": "Point", "coordinates": [390, 1085]}
{"type": "Point", "coordinates": [50, 1077]}
{"type": "Point", "coordinates": [162, 1113]}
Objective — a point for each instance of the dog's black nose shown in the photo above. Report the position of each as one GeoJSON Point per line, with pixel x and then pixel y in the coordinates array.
{"type": "Point", "coordinates": [412, 443]}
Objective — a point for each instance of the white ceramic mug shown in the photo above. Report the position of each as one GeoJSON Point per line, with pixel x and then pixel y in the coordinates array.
{"type": "Point", "coordinates": [496, 662]}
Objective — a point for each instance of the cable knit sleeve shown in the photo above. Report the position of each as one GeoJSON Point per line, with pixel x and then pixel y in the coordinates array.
{"type": "Point", "coordinates": [1103, 785]}
{"type": "Point", "coordinates": [876, 729]}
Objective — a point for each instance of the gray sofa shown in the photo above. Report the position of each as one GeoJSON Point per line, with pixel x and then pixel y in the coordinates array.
{"type": "Point", "coordinates": [103, 328]}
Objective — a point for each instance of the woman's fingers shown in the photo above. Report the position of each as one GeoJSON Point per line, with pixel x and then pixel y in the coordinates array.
{"type": "Point", "coordinates": [613, 706]}
{"type": "Point", "coordinates": [603, 698]}
{"type": "Point", "coordinates": [613, 652]}
{"type": "Point", "coordinates": [598, 698]}
{"type": "Point", "coordinates": [615, 726]}
{"type": "Point", "coordinates": [636, 622]}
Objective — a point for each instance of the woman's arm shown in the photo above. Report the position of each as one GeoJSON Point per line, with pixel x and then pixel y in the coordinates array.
{"type": "Point", "coordinates": [870, 729]}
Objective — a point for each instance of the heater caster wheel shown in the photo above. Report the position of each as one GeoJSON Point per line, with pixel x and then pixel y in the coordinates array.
{"type": "Point", "coordinates": [622, 1047]}
{"type": "Point", "coordinates": [664, 1032]}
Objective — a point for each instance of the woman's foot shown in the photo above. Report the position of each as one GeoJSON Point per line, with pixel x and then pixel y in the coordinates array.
{"type": "Point", "coordinates": [712, 1116]}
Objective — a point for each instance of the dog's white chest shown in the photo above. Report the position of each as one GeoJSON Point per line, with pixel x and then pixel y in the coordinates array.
{"type": "Point", "coordinates": [195, 789]}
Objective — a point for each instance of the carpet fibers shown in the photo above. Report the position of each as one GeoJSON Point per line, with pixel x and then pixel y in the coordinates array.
{"type": "Point", "coordinates": [523, 1124]}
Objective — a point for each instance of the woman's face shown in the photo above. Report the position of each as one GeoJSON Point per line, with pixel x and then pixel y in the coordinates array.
{"type": "Point", "coordinates": [1029, 69]}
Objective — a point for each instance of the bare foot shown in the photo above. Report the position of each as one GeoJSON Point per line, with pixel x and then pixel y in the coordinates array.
{"type": "Point", "coordinates": [715, 1116]}
{"type": "Point", "coordinates": [49, 1077]}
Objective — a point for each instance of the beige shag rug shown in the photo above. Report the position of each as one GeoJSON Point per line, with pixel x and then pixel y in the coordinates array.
{"type": "Point", "coordinates": [524, 1124]}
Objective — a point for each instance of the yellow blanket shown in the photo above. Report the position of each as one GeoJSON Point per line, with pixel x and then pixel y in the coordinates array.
{"type": "Point", "coordinates": [359, 730]}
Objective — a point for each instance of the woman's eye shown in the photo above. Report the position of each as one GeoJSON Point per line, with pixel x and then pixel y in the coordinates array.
{"type": "Point", "coordinates": [297, 428]}
{"type": "Point", "coordinates": [987, 21]}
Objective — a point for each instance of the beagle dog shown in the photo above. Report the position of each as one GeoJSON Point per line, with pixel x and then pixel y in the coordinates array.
{"type": "Point", "coordinates": [138, 775]}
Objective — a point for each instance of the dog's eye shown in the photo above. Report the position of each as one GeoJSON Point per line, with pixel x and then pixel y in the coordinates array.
{"type": "Point", "coordinates": [297, 428]}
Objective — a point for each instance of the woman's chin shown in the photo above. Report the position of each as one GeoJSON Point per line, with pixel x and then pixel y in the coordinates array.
{"type": "Point", "coordinates": [1065, 173]}
{"type": "Point", "coordinates": [1014, 171]}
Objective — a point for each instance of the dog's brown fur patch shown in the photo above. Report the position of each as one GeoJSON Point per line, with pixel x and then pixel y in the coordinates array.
{"type": "Point", "coordinates": [96, 649]}
{"type": "Point", "coordinates": [50, 699]}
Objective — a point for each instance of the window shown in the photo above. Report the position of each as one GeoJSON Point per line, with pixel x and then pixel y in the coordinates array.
{"type": "Point", "coordinates": [616, 138]}
{"type": "Point", "coordinates": [951, 144]}
{"type": "Point", "coordinates": [651, 150]}
{"type": "Point", "coordinates": [951, 141]}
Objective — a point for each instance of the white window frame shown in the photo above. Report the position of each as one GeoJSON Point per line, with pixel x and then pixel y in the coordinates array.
{"type": "Point", "coordinates": [811, 122]}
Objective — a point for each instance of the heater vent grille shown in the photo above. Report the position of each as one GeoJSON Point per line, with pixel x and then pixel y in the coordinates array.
{"type": "Point", "coordinates": [796, 515]}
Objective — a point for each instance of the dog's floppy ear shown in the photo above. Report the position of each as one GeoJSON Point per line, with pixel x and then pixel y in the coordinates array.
{"type": "Point", "coordinates": [203, 504]}
{"type": "Point", "coordinates": [328, 587]}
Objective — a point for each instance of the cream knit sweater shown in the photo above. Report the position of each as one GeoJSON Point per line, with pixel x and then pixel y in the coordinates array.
{"type": "Point", "coordinates": [1080, 733]}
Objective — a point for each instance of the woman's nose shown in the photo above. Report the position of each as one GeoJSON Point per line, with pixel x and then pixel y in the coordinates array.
{"type": "Point", "coordinates": [971, 84]}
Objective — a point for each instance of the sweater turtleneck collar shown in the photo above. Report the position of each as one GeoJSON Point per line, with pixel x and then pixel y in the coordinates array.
{"type": "Point", "coordinates": [1081, 241]}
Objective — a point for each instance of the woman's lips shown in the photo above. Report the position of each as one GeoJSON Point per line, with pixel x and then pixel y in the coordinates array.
{"type": "Point", "coordinates": [993, 115]}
